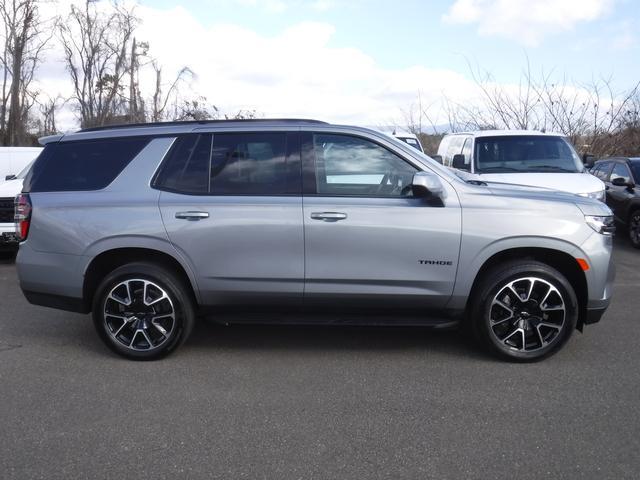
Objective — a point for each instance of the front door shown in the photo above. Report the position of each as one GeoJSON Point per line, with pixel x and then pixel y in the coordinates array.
{"type": "Point", "coordinates": [368, 242]}
{"type": "Point", "coordinates": [232, 208]}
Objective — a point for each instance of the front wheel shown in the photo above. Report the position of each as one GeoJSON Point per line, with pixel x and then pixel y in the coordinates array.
{"type": "Point", "coordinates": [142, 311]}
{"type": "Point", "coordinates": [524, 311]}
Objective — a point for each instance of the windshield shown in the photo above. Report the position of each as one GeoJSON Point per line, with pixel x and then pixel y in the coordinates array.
{"type": "Point", "coordinates": [525, 153]}
{"type": "Point", "coordinates": [24, 171]}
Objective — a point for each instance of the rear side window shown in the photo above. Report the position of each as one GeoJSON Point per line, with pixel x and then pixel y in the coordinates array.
{"type": "Point", "coordinates": [83, 165]}
{"type": "Point", "coordinates": [248, 164]}
{"type": "Point", "coordinates": [252, 163]}
{"type": "Point", "coordinates": [187, 167]}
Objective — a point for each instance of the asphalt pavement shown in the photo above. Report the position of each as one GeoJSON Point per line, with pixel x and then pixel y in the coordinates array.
{"type": "Point", "coordinates": [317, 402]}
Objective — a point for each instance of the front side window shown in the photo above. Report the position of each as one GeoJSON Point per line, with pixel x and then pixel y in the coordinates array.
{"type": "Point", "coordinates": [229, 164]}
{"type": "Point", "coordinates": [466, 150]}
{"type": "Point", "coordinates": [455, 147]}
{"type": "Point", "coordinates": [635, 169]}
{"type": "Point", "coordinates": [621, 171]}
{"type": "Point", "coordinates": [602, 171]}
{"type": "Point", "coordinates": [348, 165]}
{"type": "Point", "coordinates": [525, 153]}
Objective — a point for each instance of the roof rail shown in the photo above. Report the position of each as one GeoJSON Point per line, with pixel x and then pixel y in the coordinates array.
{"type": "Point", "coordinates": [200, 122]}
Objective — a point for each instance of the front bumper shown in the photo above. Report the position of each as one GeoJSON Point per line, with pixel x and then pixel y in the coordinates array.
{"type": "Point", "coordinates": [600, 276]}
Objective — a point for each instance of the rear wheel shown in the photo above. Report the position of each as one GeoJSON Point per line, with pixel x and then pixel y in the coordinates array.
{"type": "Point", "coordinates": [634, 228]}
{"type": "Point", "coordinates": [524, 311]}
{"type": "Point", "coordinates": [142, 311]}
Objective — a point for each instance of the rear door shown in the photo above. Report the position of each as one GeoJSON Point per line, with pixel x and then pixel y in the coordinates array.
{"type": "Point", "coordinates": [368, 242]}
{"type": "Point", "coordinates": [231, 206]}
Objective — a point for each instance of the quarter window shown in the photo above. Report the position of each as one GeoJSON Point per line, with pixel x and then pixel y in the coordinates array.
{"type": "Point", "coordinates": [348, 165]}
{"type": "Point", "coordinates": [82, 165]}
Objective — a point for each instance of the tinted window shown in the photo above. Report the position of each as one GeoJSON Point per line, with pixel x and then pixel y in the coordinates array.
{"type": "Point", "coordinates": [230, 164]}
{"type": "Point", "coordinates": [187, 166]}
{"type": "Point", "coordinates": [348, 165]}
{"type": "Point", "coordinates": [526, 153]}
{"type": "Point", "coordinates": [249, 163]}
{"type": "Point", "coordinates": [635, 169]}
{"type": "Point", "coordinates": [602, 171]}
{"type": "Point", "coordinates": [620, 171]}
{"type": "Point", "coordinates": [84, 165]}
{"type": "Point", "coordinates": [411, 141]}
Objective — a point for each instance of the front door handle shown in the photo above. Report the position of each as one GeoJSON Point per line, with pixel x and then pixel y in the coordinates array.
{"type": "Point", "coordinates": [192, 215]}
{"type": "Point", "coordinates": [328, 216]}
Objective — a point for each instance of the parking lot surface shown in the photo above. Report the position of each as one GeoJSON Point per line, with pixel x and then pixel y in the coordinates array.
{"type": "Point", "coordinates": [317, 402]}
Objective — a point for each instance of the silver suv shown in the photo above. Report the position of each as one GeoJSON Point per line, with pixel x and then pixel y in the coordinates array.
{"type": "Point", "coordinates": [148, 226]}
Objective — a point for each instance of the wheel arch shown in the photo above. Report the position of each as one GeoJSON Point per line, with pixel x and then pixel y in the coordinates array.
{"type": "Point", "coordinates": [560, 260]}
{"type": "Point", "coordinates": [108, 260]}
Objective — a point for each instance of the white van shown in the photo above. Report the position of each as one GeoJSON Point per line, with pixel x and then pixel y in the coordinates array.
{"type": "Point", "coordinates": [521, 157]}
{"type": "Point", "coordinates": [410, 139]}
{"type": "Point", "coordinates": [14, 159]}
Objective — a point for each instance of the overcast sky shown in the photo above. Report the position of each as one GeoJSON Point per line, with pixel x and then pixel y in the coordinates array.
{"type": "Point", "coordinates": [362, 61]}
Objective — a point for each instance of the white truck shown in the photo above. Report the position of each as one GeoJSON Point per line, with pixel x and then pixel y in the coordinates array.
{"type": "Point", "coordinates": [15, 163]}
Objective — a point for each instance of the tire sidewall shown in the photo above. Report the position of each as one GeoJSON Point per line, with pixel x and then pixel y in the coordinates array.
{"type": "Point", "coordinates": [498, 280]}
{"type": "Point", "coordinates": [184, 313]}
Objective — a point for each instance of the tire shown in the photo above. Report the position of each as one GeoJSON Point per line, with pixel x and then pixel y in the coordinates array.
{"type": "Point", "coordinates": [523, 311]}
{"type": "Point", "coordinates": [634, 228]}
{"type": "Point", "coordinates": [143, 311]}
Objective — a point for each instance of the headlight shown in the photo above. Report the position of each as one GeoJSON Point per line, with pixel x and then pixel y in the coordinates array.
{"type": "Point", "coordinates": [601, 224]}
{"type": "Point", "coordinates": [599, 195]}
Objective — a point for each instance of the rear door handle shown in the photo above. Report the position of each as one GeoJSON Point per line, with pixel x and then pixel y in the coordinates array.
{"type": "Point", "coordinates": [328, 216]}
{"type": "Point", "coordinates": [192, 215]}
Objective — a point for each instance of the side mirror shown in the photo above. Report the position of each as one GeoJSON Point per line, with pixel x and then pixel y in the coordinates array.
{"type": "Point", "coordinates": [427, 185]}
{"type": "Point", "coordinates": [458, 162]}
{"type": "Point", "coordinates": [588, 160]}
{"type": "Point", "coordinates": [437, 158]}
{"type": "Point", "coordinates": [621, 182]}
{"type": "Point", "coordinates": [10, 177]}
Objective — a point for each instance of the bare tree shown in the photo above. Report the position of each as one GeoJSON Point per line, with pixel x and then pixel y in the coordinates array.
{"type": "Point", "coordinates": [161, 98]}
{"type": "Point", "coordinates": [590, 115]}
{"type": "Point", "coordinates": [47, 121]}
{"type": "Point", "coordinates": [96, 44]}
{"type": "Point", "coordinates": [24, 41]}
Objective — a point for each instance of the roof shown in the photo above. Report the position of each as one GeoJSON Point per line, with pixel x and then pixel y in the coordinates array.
{"type": "Point", "coordinates": [507, 133]}
{"type": "Point", "coordinates": [624, 159]}
{"type": "Point", "coordinates": [173, 128]}
{"type": "Point", "coordinates": [278, 121]}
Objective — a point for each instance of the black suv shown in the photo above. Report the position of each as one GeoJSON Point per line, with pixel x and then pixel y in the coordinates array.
{"type": "Point", "coordinates": [620, 176]}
